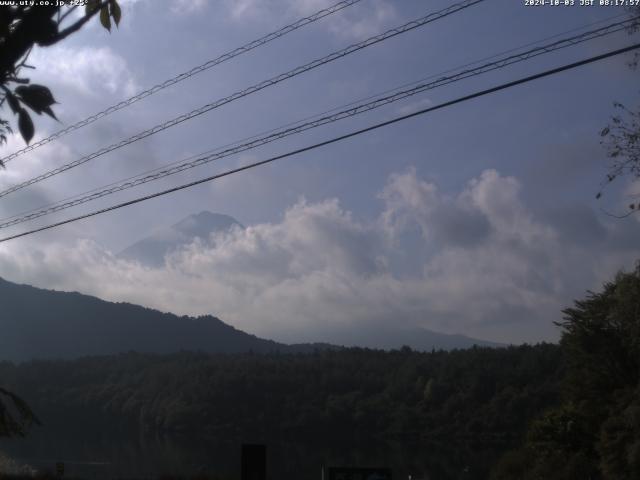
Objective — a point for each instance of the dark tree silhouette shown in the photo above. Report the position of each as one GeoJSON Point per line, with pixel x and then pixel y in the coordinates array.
{"type": "Point", "coordinates": [22, 27]}
{"type": "Point", "coordinates": [621, 138]}
{"type": "Point", "coordinates": [15, 415]}
{"type": "Point", "coordinates": [595, 431]}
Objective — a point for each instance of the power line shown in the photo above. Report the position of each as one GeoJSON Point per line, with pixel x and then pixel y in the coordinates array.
{"type": "Point", "coordinates": [376, 126]}
{"type": "Point", "coordinates": [469, 64]}
{"type": "Point", "coordinates": [188, 74]}
{"type": "Point", "coordinates": [360, 100]}
{"type": "Point", "coordinates": [257, 141]}
{"type": "Point", "coordinates": [250, 90]}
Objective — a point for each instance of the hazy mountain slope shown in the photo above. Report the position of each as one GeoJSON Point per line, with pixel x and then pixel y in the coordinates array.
{"type": "Point", "coordinates": [396, 336]}
{"type": "Point", "coordinates": [151, 250]}
{"type": "Point", "coordinates": [36, 323]}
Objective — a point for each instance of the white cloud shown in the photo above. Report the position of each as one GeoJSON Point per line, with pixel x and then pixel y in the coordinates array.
{"type": "Point", "coordinates": [366, 22]}
{"type": "Point", "coordinates": [407, 199]}
{"type": "Point", "coordinates": [492, 269]}
{"type": "Point", "coordinates": [241, 9]}
{"type": "Point", "coordinates": [357, 22]}
{"type": "Point", "coordinates": [631, 195]}
{"type": "Point", "coordinates": [414, 106]}
{"type": "Point", "coordinates": [186, 7]}
{"type": "Point", "coordinates": [89, 71]}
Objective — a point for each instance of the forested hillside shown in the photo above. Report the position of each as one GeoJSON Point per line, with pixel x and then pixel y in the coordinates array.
{"type": "Point", "coordinates": [594, 432]}
{"type": "Point", "coordinates": [568, 411]}
{"type": "Point", "coordinates": [476, 395]}
{"type": "Point", "coordinates": [48, 324]}
{"type": "Point", "coordinates": [37, 323]}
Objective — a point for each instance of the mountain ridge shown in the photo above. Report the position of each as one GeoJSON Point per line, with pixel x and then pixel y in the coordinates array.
{"type": "Point", "coordinates": [47, 324]}
{"type": "Point", "coordinates": [42, 324]}
{"type": "Point", "coordinates": [152, 249]}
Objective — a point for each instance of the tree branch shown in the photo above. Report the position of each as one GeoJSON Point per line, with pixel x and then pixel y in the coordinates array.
{"type": "Point", "coordinates": [70, 10]}
{"type": "Point", "coordinates": [75, 26]}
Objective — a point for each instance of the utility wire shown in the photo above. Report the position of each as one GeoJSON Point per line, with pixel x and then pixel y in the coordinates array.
{"type": "Point", "coordinates": [340, 138]}
{"type": "Point", "coordinates": [67, 202]}
{"type": "Point", "coordinates": [334, 109]}
{"type": "Point", "coordinates": [253, 89]}
{"type": "Point", "coordinates": [188, 74]}
{"type": "Point", "coordinates": [254, 142]}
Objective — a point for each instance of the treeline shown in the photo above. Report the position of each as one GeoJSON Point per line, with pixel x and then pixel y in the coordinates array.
{"type": "Point", "coordinates": [475, 395]}
{"type": "Point", "coordinates": [568, 411]}
{"type": "Point", "coordinates": [594, 431]}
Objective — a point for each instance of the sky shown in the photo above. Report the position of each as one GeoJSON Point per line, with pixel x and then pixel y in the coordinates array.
{"type": "Point", "coordinates": [478, 219]}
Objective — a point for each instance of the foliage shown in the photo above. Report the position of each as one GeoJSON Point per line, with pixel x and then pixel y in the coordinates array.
{"type": "Point", "coordinates": [622, 142]}
{"type": "Point", "coordinates": [621, 138]}
{"type": "Point", "coordinates": [595, 431]}
{"type": "Point", "coordinates": [463, 400]}
{"type": "Point", "coordinates": [23, 26]}
{"type": "Point", "coordinates": [15, 415]}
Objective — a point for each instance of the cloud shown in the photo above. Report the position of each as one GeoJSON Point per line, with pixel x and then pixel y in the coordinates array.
{"type": "Point", "coordinates": [243, 9]}
{"type": "Point", "coordinates": [89, 71]}
{"type": "Point", "coordinates": [16, 170]}
{"type": "Point", "coordinates": [187, 7]}
{"type": "Point", "coordinates": [414, 106]}
{"type": "Point", "coordinates": [356, 22]}
{"type": "Point", "coordinates": [631, 195]}
{"type": "Point", "coordinates": [365, 22]}
{"type": "Point", "coordinates": [19, 170]}
{"type": "Point", "coordinates": [408, 199]}
{"type": "Point", "coordinates": [488, 268]}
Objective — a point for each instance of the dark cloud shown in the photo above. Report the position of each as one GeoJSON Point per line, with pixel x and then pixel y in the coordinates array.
{"type": "Point", "coordinates": [576, 224]}
{"type": "Point", "coordinates": [493, 271]}
{"type": "Point", "coordinates": [453, 225]}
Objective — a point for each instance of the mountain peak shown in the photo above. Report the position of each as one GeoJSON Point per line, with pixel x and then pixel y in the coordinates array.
{"type": "Point", "coordinates": [205, 223]}
{"type": "Point", "coordinates": [151, 250]}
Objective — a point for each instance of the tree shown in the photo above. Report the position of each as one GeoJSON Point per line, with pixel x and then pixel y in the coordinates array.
{"type": "Point", "coordinates": [621, 138]}
{"type": "Point", "coordinates": [15, 415]}
{"type": "Point", "coordinates": [602, 335]}
{"type": "Point", "coordinates": [22, 27]}
{"type": "Point", "coordinates": [595, 432]}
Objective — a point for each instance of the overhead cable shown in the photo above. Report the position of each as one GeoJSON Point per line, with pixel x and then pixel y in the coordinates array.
{"type": "Point", "coordinates": [250, 90]}
{"type": "Point", "coordinates": [185, 75]}
{"type": "Point", "coordinates": [207, 157]}
{"type": "Point", "coordinates": [376, 126]}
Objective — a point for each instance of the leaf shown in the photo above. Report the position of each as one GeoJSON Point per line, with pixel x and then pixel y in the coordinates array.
{"type": "Point", "coordinates": [599, 195]}
{"type": "Point", "coordinates": [91, 6]}
{"type": "Point", "coordinates": [25, 125]}
{"type": "Point", "coordinates": [37, 97]}
{"type": "Point", "coordinates": [604, 132]}
{"type": "Point", "coordinates": [104, 18]}
{"type": "Point", "coordinates": [13, 102]}
{"type": "Point", "coordinates": [44, 30]}
{"type": "Point", "coordinates": [116, 13]}
{"type": "Point", "coordinates": [39, 92]}
{"type": "Point", "coordinates": [49, 112]}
